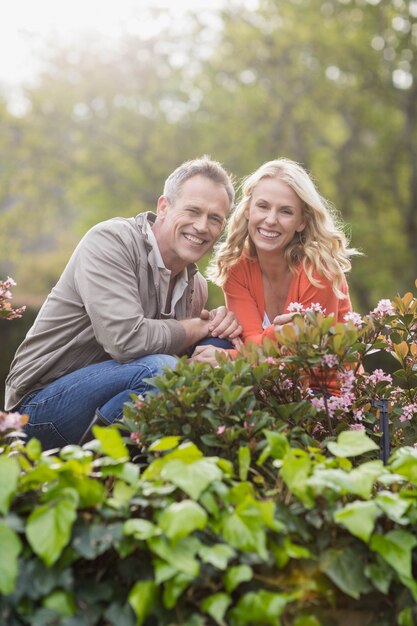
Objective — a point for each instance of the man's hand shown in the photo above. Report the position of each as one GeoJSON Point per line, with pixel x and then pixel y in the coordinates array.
{"type": "Point", "coordinates": [222, 323]}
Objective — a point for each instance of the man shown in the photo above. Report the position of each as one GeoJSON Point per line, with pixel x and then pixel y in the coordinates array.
{"type": "Point", "coordinates": [130, 299]}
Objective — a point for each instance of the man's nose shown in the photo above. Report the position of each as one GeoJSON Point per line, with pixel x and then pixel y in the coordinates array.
{"type": "Point", "coordinates": [200, 223]}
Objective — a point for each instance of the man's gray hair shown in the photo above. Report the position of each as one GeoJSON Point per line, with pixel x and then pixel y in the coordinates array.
{"type": "Point", "coordinates": [203, 166]}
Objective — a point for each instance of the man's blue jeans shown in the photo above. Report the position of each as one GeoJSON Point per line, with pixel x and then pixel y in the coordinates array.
{"type": "Point", "coordinates": [61, 412]}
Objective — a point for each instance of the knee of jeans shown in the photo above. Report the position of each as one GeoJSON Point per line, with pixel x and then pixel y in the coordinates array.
{"type": "Point", "coordinates": [159, 362]}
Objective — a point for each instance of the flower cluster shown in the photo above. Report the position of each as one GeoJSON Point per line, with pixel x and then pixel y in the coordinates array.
{"type": "Point", "coordinates": [11, 422]}
{"type": "Point", "coordinates": [6, 310]}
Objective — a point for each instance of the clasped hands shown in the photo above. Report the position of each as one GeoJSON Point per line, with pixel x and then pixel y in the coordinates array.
{"type": "Point", "coordinates": [223, 324]}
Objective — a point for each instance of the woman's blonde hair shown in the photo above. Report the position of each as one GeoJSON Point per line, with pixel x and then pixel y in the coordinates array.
{"type": "Point", "coordinates": [322, 245]}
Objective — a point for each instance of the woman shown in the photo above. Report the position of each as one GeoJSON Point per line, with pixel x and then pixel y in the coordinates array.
{"type": "Point", "coordinates": [283, 245]}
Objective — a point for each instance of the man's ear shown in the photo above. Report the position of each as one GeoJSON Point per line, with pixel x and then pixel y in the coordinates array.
{"type": "Point", "coordinates": [162, 206]}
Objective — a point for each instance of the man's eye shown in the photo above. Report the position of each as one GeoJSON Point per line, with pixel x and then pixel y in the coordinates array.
{"type": "Point", "coordinates": [216, 219]}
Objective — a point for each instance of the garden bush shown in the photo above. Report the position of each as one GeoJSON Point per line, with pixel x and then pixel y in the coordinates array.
{"type": "Point", "coordinates": [242, 494]}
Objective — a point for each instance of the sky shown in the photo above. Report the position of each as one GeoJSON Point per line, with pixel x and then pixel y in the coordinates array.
{"type": "Point", "coordinates": [27, 26]}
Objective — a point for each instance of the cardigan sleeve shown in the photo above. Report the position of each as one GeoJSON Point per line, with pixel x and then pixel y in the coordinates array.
{"type": "Point", "coordinates": [309, 294]}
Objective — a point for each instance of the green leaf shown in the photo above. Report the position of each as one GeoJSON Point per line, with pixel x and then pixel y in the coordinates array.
{"type": "Point", "coordinates": [345, 568]}
{"type": "Point", "coordinates": [61, 602]}
{"type": "Point", "coordinates": [33, 449]}
{"type": "Point", "coordinates": [404, 462]}
{"type": "Point", "coordinates": [193, 478]}
{"type": "Point", "coordinates": [359, 518]}
{"type": "Point", "coordinates": [393, 505]}
{"type": "Point", "coordinates": [216, 606]}
{"type": "Point", "coordinates": [174, 587]}
{"type": "Point", "coordinates": [244, 458]}
{"type": "Point", "coordinates": [262, 607]}
{"type": "Point", "coordinates": [307, 620]}
{"type": "Point", "coordinates": [405, 618]}
{"type": "Point", "coordinates": [140, 528]}
{"type": "Point", "coordinates": [166, 443]}
{"type": "Point", "coordinates": [217, 555]}
{"type": "Point", "coordinates": [111, 442]}
{"type": "Point", "coordinates": [181, 556]}
{"type": "Point", "coordinates": [380, 574]}
{"type": "Point", "coordinates": [395, 548]}
{"type": "Point", "coordinates": [48, 529]}
{"type": "Point", "coordinates": [236, 575]}
{"type": "Point", "coordinates": [10, 547]}
{"type": "Point", "coordinates": [142, 598]}
{"type": "Point", "coordinates": [245, 529]}
{"type": "Point", "coordinates": [182, 518]}
{"type": "Point", "coordinates": [277, 447]}
{"type": "Point", "coordinates": [351, 443]}
{"type": "Point", "coordinates": [295, 471]}
{"type": "Point", "coordinates": [9, 475]}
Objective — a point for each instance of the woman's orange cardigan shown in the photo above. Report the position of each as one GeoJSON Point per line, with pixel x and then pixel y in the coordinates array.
{"type": "Point", "coordinates": [244, 295]}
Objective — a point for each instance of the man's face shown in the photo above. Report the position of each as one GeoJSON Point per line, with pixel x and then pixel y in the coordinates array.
{"type": "Point", "coordinates": [189, 227]}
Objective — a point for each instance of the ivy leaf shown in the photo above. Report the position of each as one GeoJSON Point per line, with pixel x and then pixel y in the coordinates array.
{"type": "Point", "coordinates": [111, 442]}
{"type": "Point", "coordinates": [245, 529]}
{"type": "Point", "coordinates": [10, 547]}
{"type": "Point", "coordinates": [393, 505]}
{"type": "Point", "coordinates": [395, 548]}
{"type": "Point", "coordinates": [295, 471]}
{"type": "Point", "coordinates": [142, 598]}
{"type": "Point", "coordinates": [174, 587]}
{"type": "Point", "coordinates": [140, 528]}
{"type": "Point", "coordinates": [236, 575]}
{"type": "Point", "coordinates": [48, 529]}
{"type": "Point", "coordinates": [351, 443]}
{"type": "Point", "coordinates": [216, 606]}
{"type": "Point", "coordinates": [345, 568]}
{"type": "Point", "coordinates": [217, 555]}
{"type": "Point", "coordinates": [61, 602]}
{"type": "Point", "coordinates": [359, 518]}
{"type": "Point", "coordinates": [192, 478]}
{"type": "Point", "coordinates": [9, 475]}
{"type": "Point", "coordinates": [182, 518]}
{"type": "Point", "coordinates": [262, 607]}
{"type": "Point", "coordinates": [180, 556]}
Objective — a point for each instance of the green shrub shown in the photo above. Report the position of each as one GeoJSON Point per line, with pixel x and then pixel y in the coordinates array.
{"type": "Point", "coordinates": [87, 539]}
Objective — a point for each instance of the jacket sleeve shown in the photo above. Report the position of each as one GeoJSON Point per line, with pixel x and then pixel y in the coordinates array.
{"type": "Point", "coordinates": [105, 277]}
{"type": "Point", "coordinates": [240, 299]}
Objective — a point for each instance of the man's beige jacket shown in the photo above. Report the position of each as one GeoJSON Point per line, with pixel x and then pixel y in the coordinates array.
{"type": "Point", "coordinates": [106, 305]}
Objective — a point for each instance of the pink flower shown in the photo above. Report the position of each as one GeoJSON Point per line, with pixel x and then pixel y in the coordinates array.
{"type": "Point", "coordinates": [407, 412]}
{"type": "Point", "coordinates": [270, 360]}
{"type": "Point", "coordinates": [383, 308]}
{"type": "Point", "coordinates": [220, 430]}
{"type": "Point", "coordinates": [135, 437]}
{"type": "Point", "coordinates": [379, 376]}
{"type": "Point", "coordinates": [357, 427]}
{"type": "Point", "coordinates": [295, 307]}
{"type": "Point", "coordinates": [316, 307]}
{"type": "Point", "coordinates": [353, 317]}
{"type": "Point", "coordinates": [358, 414]}
{"type": "Point", "coordinates": [12, 421]}
{"type": "Point", "coordinates": [329, 360]}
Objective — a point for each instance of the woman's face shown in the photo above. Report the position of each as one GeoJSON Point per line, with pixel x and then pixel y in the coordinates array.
{"type": "Point", "coordinates": [274, 215]}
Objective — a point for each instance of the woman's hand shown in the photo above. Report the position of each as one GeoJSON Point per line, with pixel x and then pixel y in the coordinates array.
{"type": "Point", "coordinates": [281, 320]}
{"type": "Point", "coordinates": [207, 354]}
